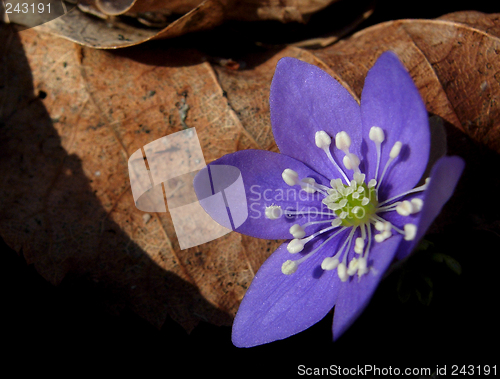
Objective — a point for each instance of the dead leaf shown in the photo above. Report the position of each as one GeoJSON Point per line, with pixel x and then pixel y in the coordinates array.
{"type": "Point", "coordinates": [69, 125]}
{"type": "Point", "coordinates": [167, 19]}
{"type": "Point", "coordinates": [71, 116]}
{"type": "Point", "coordinates": [454, 61]}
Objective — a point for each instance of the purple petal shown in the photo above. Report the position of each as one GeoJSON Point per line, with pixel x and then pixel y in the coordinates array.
{"type": "Point", "coordinates": [304, 99]}
{"type": "Point", "coordinates": [444, 178]}
{"type": "Point", "coordinates": [277, 306]}
{"type": "Point", "coordinates": [356, 294]}
{"type": "Point", "coordinates": [391, 101]}
{"type": "Point", "coordinates": [264, 186]}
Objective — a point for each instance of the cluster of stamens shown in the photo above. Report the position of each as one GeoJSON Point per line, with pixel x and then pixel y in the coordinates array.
{"type": "Point", "coordinates": [351, 205]}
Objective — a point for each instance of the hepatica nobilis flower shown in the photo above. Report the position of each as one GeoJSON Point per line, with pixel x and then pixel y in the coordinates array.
{"type": "Point", "coordinates": [347, 191]}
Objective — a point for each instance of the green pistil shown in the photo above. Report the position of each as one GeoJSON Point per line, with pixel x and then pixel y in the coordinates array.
{"type": "Point", "coordinates": [354, 205]}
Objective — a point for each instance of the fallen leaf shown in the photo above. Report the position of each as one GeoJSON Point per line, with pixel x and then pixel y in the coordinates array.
{"type": "Point", "coordinates": [71, 117]}
{"type": "Point", "coordinates": [167, 19]}
{"type": "Point", "coordinates": [69, 125]}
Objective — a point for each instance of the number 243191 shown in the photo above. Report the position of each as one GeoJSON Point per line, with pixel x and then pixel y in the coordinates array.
{"type": "Point", "coordinates": [27, 8]}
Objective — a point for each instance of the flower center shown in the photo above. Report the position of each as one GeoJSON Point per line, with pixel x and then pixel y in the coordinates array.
{"type": "Point", "coordinates": [353, 206]}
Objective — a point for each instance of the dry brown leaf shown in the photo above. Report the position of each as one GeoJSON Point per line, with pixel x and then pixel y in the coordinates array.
{"type": "Point", "coordinates": [66, 200]}
{"type": "Point", "coordinates": [454, 61]}
{"type": "Point", "coordinates": [167, 19]}
{"type": "Point", "coordinates": [71, 117]}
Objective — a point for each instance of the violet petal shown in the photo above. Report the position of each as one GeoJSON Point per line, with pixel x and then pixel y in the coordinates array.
{"type": "Point", "coordinates": [277, 306]}
{"type": "Point", "coordinates": [356, 294]}
{"type": "Point", "coordinates": [305, 99]}
{"type": "Point", "coordinates": [391, 101]}
{"type": "Point", "coordinates": [264, 186]}
{"type": "Point", "coordinates": [444, 178]}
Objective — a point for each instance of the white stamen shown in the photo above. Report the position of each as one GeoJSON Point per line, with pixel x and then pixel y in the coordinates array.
{"type": "Point", "coordinates": [322, 139]}
{"type": "Point", "coordinates": [362, 266]}
{"type": "Point", "coordinates": [352, 267]}
{"type": "Point", "coordinates": [376, 134]}
{"type": "Point", "coordinates": [342, 272]}
{"type": "Point", "coordinates": [273, 212]}
{"type": "Point", "coordinates": [359, 178]}
{"type": "Point", "coordinates": [423, 187]}
{"type": "Point", "coordinates": [417, 204]}
{"type": "Point", "coordinates": [343, 141]}
{"type": "Point", "coordinates": [404, 208]}
{"type": "Point", "coordinates": [379, 226]}
{"type": "Point", "coordinates": [410, 232]}
{"type": "Point", "coordinates": [308, 185]}
{"type": "Point", "coordinates": [372, 183]}
{"type": "Point", "coordinates": [351, 162]}
{"type": "Point", "coordinates": [297, 231]}
{"type": "Point", "coordinates": [290, 177]}
{"type": "Point", "coordinates": [289, 267]}
{"type": "Point", "coordinates": [295, 246]}
{"type": "Point", "coordinates": [359, 245]}
{"type": "Point", "coordinates": [396, 149]}
{"type": "Point", "coordinates": [381, 237]}
{"type": "Point", "coordinates": [347, 162]}
{"type": "Point", "coordinates": [330, 263]}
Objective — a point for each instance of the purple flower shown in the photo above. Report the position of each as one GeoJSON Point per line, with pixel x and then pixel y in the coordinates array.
{"type": "Point", "coordinates": [347, 188]}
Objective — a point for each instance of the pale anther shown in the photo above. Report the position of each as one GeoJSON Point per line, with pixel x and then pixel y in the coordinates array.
{"type": "Point", "coordinates": [381, 237]}
{"type": "Point", "coordinates": [322, 139]}
{"type": "Point", "coordinates": [343, 141]}
{"type": "Point", "coordinates": [359, 245]}
{"type": "Point", "coordinates": [342, 272]}
{"type": "Point", "coordinates": [273, 212]}
{"type": "Point", "coordinates": [353, 267]}
{"type": "Point", "coordinates": [372, 183]}
{"type": "Point", "coordinates": [376, 134]}
{"type": "Point", "coordinates": [410, 232]}
{"type": "Point", "coordinates": [289, 267]}
{"type": "Point", "coordinates": [404, 208]}
{"type": "Point", "coordinates": [295, 246]}
{"type": "Point", "coordinates": [308, 185]}
{"type": "Point", "coordinates": [290, 177]}
{"type": "Point", "coordinates": [329, 263]}
{"type": "Point", "coordinates": [362, 266]}
{"type": "Point", "coordinates": [396, 149]}
{"type": "Point", "coordinates": [297, 231]}
{"type": "Point", "coordinates": [417, 204]}
{"type": "Point", "coordinates": [359, 177]}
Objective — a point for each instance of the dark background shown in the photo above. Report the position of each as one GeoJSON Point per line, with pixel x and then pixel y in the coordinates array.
{"type": "Point", "coordinates": [46, 327]}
